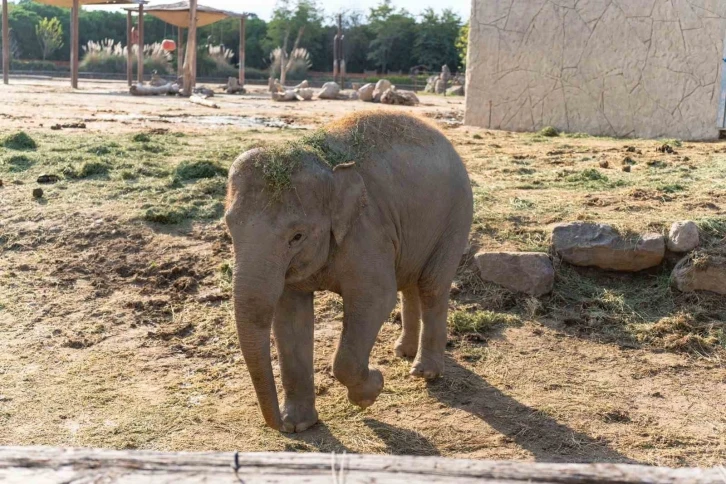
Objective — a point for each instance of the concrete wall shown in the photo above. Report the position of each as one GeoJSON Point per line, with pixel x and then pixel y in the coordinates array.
{"type": "Point", "coordinates": [641, 68]}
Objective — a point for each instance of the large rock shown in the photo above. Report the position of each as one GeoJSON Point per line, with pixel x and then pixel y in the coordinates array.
{"type": "Point", "coordinates": [440, 86]}
{"type": "Point", "coordinates": [683, 237]}
{"type": "Point", "coordinates": [365, 93]}
{"type": "Point", "coordinates": [455, 91]}
{"type": "Point", "coordinates": [400, 98]}
{"type": "Point", "coordinates": [382, 86]}
{"type": "Point", "coordinates": [701, 273]}
{"type": "Point", "coordinates": [598, 245]}
{"type": "Point", "coordinates": [528, 272]}
{"type": "Point", "coordinates": [330, 90]}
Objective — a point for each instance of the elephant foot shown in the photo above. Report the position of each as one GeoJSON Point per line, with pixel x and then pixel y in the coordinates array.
{"type": "Point", "coordinates": [427, 367]}
{"type": "Point", "coordinates": [365, 394]}
{"type": "Point", "coordinates": [405, 349]}
{"type": "Point", "coordinates": [298, 417]}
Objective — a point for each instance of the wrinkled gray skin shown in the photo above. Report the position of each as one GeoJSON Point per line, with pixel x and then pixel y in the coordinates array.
{"type": "Point", "coordinates": [398, 220]}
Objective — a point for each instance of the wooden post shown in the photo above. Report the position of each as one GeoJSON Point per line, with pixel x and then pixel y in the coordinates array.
{"type": "Point", "coordinates": [190, 60]}
{"type": "Point", "coordinates": [74, 43]}
{"type": "Point", "coordinates": [242, 48]}
{"type": "Point", "coordinates": [6, 44]}
{"type": "Point", "coordinates": [140, 54]}
{"type": "Point", "coordinates": [129, 48]}
{"type": "Point", "coordinates": [180, 52]}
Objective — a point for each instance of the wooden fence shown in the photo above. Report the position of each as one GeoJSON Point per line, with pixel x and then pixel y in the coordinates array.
{"type": "Point", "coordinates": [54, 466]}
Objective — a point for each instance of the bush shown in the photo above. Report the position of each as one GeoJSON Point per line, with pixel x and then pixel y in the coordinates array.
{"type": "Point", "coordinates": [214, 61]}
{"type": "Point", "coordinates": [20, 141]}
{"type": "Point", "coordinates": [86, 170]}
{"type": "Point", "coordinates": [301, 63]}
{"type": "Point", "coordinates": [110, 57]}
{"type": "Point", "coordinates": [549, 132]}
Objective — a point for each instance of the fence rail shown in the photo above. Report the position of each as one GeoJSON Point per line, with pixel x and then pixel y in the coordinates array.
{"type": "Point", "coordinates": [55, 466]}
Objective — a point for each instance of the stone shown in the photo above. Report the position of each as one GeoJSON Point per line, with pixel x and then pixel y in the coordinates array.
{"type": "Point", "coordinates": [598, 245]}
{"type": "Point", "coordinates": [455, 91]}
{"type": "Point", "coordinates": [38, 193]}
{"type": "Point", "coordinates": [627, 169]}
{"type": "Point", "coordinates": [45, 179]}
{"type": "Point", "coordinates": [399, 98]}
{"type": "Point", "coordinates": [604, 164]}
{"type": "Point", "coordinates": [365, 93]}
{"type": "Point", "coordinates": [431, 84]}
{"type": "Point", "coordinates": [526, 272]}
{"type": "Point", "coordinates": [683, 237]}
{"type": "Point", "coordinates": [330, 90]}
{"type": "Point", "coordinates": [304, 93]}
{"type": "Point", "coordinates": [284, 96]}
{"type": "Point", "coordinates": [440, 86]}
{"type": "Point", "coordinates": [382, 86]}
{"type": "Point", "coordinates": [700, 272]}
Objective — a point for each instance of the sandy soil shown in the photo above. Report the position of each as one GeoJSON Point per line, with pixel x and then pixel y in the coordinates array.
{"type": "Point", "coordinates": [115, 332]}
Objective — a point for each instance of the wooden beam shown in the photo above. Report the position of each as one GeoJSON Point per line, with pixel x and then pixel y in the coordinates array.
{"type": "Point", "coordinates": [74, 43]}
{"type": "Point", "coordinates": [129, 48]}
{"type": "Point", "coordinates": [190, 60]}
{"type": "Point", "coordinates": [180, 52]}
{"type": "Point", "coordinates": [140, 54]}
{"type": "Point", "coordinates": [6, 44]}
{"type": "Point", "coordinates": [52, 465]}
{"type": "Point", "coordinates": [242, 49]}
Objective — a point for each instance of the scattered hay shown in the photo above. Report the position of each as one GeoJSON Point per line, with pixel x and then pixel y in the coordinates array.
{"type": "Point", "coordinates": [20, 141]}
{"type": "Point", "coordinates": [464, 322]}
{"type": "Point", "coordinates": [685, 333]}
{"type": "Point", "coordinates": [87, 170]}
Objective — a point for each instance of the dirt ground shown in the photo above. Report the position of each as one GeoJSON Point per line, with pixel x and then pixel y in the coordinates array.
{"type": "Point", "coordinates": [115, 315]}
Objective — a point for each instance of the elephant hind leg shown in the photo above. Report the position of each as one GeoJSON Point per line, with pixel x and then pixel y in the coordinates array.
{"type": "Point", "coordinates": [407, 344]}
{"type": "Point", "coordinates": [434, 288]}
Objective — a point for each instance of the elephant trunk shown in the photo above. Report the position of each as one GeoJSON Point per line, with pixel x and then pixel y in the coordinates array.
{"type": "Point", "coordinates": [258, 285]}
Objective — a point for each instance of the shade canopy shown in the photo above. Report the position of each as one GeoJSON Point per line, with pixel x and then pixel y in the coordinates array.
{"type": "Point", "coordinates": [177, 14]}
{"type": "Point", "coordinates": [69, 3]}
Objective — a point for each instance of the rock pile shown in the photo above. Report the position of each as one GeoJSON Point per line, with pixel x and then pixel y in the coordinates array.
{"type": "Point", "coordinates": [602, 246]}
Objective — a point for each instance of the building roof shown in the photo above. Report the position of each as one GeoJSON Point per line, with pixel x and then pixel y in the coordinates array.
{"type": "Point", "coordinates": [177, 14]}
{"type": "Point", "coordinates": [69, 3]}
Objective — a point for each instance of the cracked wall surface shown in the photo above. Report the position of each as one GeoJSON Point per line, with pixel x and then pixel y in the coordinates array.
{"type": "Point", "coordinates": [639, 68]}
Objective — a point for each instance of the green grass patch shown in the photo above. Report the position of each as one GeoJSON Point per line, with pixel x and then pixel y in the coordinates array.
{"type": "Point", "coordinates": [20, 141]}
{"type": "Point", "coordinates": [589, 175]}
{"type": "Point", "coordinates": [141, 138]}
{"type": "Point", "coordinates": [549, 132]}
{"type": "Point", "coordinates": [87, 170]}
{"type": "Point", "coordinates": [18, 163]}
{"type": "Point", "coordinates": [195, 170]}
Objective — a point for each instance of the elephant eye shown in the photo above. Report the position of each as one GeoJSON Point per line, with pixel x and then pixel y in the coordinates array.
{"type": "Point", "coordinates": [296, 238]}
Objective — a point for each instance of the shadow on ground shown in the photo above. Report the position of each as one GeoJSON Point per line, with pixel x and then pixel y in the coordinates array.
{"type": "Point", "coordinates": [547, 439]}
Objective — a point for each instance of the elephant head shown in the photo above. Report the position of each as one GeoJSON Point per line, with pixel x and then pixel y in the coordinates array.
{"type": "Point", "coordinates": [287, 211]}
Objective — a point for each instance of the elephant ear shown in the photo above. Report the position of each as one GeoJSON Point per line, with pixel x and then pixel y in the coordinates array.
{"type": "Point", "coordinates": [349, 199]}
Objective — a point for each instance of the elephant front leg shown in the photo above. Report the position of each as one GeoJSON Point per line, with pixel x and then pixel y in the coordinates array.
{"type": "Point", "coordinates": [294, 336]}
{"type": "Point", "coordinates": [362, 321]}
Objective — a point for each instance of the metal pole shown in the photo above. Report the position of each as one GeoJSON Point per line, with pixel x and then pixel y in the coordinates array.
{"type": "Point", "coordinates": [140, 54]}
{"type": "Point", "coordinates": [6, 44]}
{"type": "Point", "coordinates": [129, 48]}
{"type": "Point", "coordinates": [74, 43]}
{"type": "Point", "coordinates": [242, 49]}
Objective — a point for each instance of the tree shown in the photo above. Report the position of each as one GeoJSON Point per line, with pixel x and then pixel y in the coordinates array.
{"type": "Point", "coordinates": [436, 36]}
{"type": "Point", "coordinates": [50, 35]}
{"type": "Point", "coordinates": [288, 20]}
{"type": "Point", "coordinates": [393, 38]}
{"type": "Point", "coordinates": [462, 44]}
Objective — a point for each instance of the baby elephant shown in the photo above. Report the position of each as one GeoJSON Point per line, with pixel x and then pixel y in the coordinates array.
{"type": "Point", "coordinates": [370, 205]}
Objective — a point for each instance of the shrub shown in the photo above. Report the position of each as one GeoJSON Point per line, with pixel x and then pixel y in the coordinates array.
{"type": "Point", "coordinates": [33, 65]}
{"type": "Point", "coordinates": [87, 170]}
{"type": "Point", "coordinates": [214, 61]}
{"type": "Point", "coordinates": [299, 62]}
{"type": "Point", "coordinates": [110, 57]}
{"type": "Point", "coordinates": [20, 141]}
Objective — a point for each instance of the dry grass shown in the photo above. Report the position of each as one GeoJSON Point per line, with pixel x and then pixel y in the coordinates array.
{"type": "Point", "coordinates": [117, 330]}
